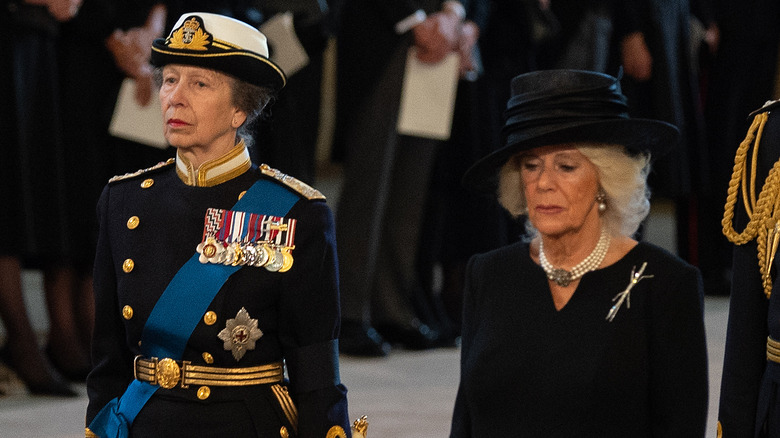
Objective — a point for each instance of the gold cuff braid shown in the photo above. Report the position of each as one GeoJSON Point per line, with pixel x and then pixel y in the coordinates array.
{"type": "Point", "coordinates": [89, 434]}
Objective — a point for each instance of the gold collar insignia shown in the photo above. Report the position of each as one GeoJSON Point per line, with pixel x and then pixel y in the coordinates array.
{"type": "Point", "coordinates": [217, 171]}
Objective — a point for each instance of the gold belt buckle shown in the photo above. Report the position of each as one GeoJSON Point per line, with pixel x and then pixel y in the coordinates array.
{"type": "Point", "coordinates": [167, 373]}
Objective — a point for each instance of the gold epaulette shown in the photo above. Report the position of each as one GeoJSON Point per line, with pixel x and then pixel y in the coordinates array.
{"type": "Point", "coordinates": [763, 210]}
{"type": "Point", "coordinates": [301, 187]}
{"type": "Point", "coordinates": [129, 175]}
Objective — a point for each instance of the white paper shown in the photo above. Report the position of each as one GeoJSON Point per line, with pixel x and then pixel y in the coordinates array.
{"type": "Point", "coordinates": [428, 97]}
{"type": "Point", "coordinates": [141, 124]}
{"type": "Point", "coordinates": [284, 45]}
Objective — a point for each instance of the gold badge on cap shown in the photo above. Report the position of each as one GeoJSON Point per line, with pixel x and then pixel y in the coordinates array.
{"type": "Point", "coordinates": [240, 334]}
{"type": "Point", "coordinates": [190, 36]}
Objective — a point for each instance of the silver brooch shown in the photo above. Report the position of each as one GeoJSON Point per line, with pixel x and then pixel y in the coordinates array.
{"type": "Point", "coordinates": [240, 334]}
{"type": "Point", "coordinates": [636, 277]}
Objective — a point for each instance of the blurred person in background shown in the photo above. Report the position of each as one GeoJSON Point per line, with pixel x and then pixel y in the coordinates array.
{"type": "Point", "coordinates": [34, 195]}
{"type": "Point", "coordinates": [386, 175]}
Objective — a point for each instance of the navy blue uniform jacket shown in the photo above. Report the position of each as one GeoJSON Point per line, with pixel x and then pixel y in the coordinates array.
{"type": "Point", "coordinates": [297, 312]}
{"type": "Point", "coordinates": [750, 385]}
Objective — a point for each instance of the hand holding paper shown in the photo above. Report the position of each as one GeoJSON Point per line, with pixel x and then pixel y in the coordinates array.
{"type": "Point", "coordinates": [428, 97]}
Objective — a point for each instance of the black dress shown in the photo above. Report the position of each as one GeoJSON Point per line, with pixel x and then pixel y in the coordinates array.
{"type": "Point", "coordinates": [530, 370]}
{"type": "Point", "coordinates": [32, 191]}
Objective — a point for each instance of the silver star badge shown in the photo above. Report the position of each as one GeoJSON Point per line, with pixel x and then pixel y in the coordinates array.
{"type": "Point", "coordinates": [240, 334]}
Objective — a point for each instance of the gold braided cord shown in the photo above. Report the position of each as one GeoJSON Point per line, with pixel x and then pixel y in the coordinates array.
{"type": "Point", "coordinates": [763, 212]}
{"type": "Point", "coordinates": [738, 178]}
{"type": "Point", "coordinates": [769, 228]}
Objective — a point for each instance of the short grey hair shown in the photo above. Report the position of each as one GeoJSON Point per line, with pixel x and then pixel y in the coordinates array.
{"type": "Point", "coordinates": [252, 100]}
{"type": "Point", "coordinates": [622, 177]}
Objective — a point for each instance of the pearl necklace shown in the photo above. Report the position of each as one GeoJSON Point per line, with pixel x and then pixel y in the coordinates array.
{"type": "Point", "coordinates": [563, 277]}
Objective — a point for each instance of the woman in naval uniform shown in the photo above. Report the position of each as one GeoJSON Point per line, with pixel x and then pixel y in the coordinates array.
{"type": "Point", "coordinates": [579, 330]}
{"type": "Point", "coordinates": [214, 277]}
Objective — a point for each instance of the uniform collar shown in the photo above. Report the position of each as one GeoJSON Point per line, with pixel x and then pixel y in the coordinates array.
{"type": "Point", "coordinates": [215, 171]}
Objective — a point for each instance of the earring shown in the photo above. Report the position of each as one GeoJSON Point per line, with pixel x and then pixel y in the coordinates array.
{"type": "Point", "coordinates": [601, 198]}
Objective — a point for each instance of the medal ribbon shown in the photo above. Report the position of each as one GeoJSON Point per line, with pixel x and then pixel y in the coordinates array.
{"type": "Point", "coordinates": [290, 243]}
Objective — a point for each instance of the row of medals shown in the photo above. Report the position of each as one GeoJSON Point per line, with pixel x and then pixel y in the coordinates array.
{"type": "Point", "coordinates": [258, 254]}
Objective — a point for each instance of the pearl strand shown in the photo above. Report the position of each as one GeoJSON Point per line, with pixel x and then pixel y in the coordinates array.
{"type": "Point", "coordinates": [563, 277]}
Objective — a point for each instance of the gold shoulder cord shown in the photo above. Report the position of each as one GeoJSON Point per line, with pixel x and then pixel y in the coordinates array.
{"type": "Point", "coordinates": [764, 211]}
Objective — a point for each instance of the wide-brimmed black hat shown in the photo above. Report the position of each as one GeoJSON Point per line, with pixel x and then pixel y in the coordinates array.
{"type": "Point", "coordinates": [552, 107]}
{"type": "Point", "coordinates": [219, 43]}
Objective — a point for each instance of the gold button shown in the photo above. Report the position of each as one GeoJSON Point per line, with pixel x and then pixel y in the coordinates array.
{"type": "Point", "coordinates": [133, 222]}
{"type": "Point", "coordinates": [241, 195]}
{"type": "Point", "coordinates": [204, 392]}
{"type": "Point", "coordinates": [336, 432]}
{"type": "Point", "coordinates": [147, 183]}
{"type": "Point", "coordinates": [283, 432]}
{"type": "Point", "coordinates": [128, 265]}
{"type": "Point", "coordinates": [210, 318]}
{"type": "Point", "coordinates": [127, 312]}
{"type": "Point", "coordinates": [139, 343]}
{"type": "Point", "coordinates": [208, 358]}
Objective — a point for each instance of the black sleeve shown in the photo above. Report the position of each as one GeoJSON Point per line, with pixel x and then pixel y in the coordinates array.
{"type": "Point", "coordinates": [112, 364]}
{"type": "Point", "coordinates": [310, 312]}
{"type": "Point", "coordinates": [745, 356]}
{"type": "Point", "coordinates": [678, 356]}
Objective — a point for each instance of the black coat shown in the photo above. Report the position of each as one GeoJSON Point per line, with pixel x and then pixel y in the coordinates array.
{"type": "Point", "coordinates": [530, 370]}
{"type": "Point", "coordinates": [297, 312]}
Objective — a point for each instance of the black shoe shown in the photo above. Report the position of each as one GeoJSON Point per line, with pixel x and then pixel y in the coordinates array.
{"type": "Point", "coordinates": [45, 381]}
{"type": "Point", "coordinates": [359, 339]}
{"type": "Point", "coordinates": [413, 335]}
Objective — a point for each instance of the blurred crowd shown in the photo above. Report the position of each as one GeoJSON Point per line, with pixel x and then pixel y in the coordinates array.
{"type": "Point", "coordinates": [405, 226]}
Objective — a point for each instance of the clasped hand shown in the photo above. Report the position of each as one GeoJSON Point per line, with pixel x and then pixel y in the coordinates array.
{"type": "Point", "coordinates": [443, 33]}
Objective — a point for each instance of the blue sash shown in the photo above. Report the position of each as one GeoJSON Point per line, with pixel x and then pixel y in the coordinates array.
{"type": "Point", "coordinates": [195, 284]}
